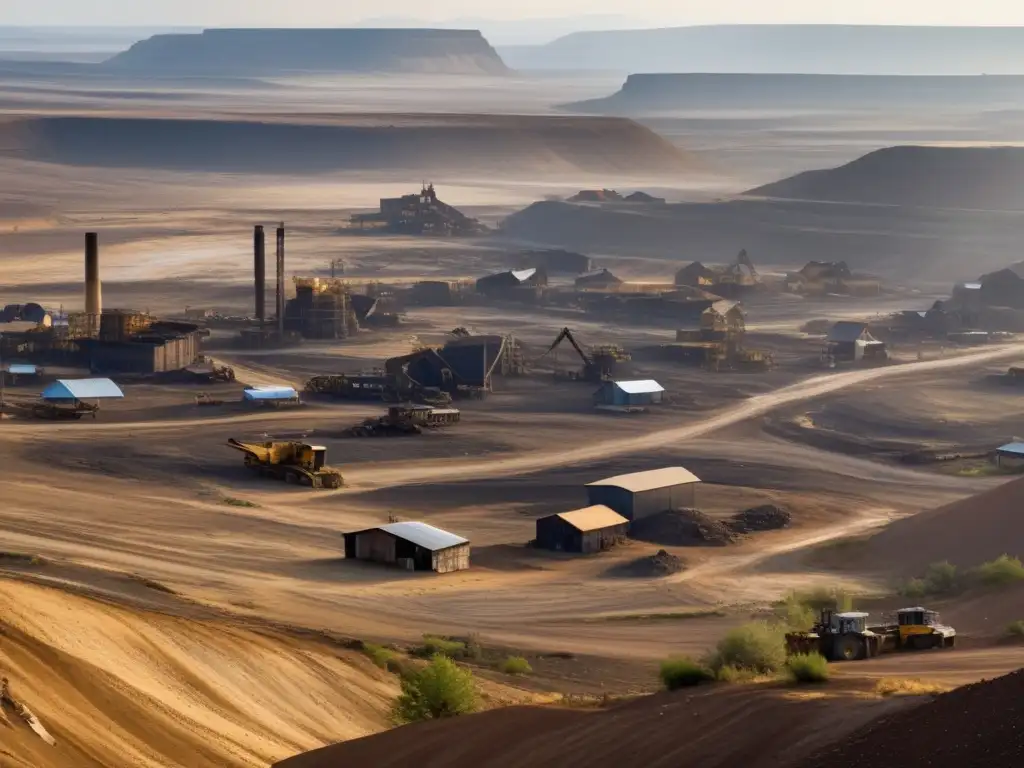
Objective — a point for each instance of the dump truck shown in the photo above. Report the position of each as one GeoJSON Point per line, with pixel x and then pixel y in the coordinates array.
{"type": "Point", "coordinates": [295, 463]}
{"type": "Point", "coordinates": [847, 636]}
{"type": "Point", "coordinates": [406, 420]}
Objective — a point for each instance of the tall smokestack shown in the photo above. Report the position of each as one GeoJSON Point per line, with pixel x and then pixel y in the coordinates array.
{"type": "Point", "coordinates": [93, 291]}
{"type": "Point", "coordinates": [259, 262]}
{"type": "Point", "coordinates": [280, 279]}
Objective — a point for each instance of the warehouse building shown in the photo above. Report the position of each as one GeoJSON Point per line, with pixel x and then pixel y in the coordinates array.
{"type": "Point", "coordinates": [630, 393]}
{"type": "Point", "coordinates": [643, 494]}
{"type": "Point", "coordinates": [410, 546]}
{"type": "Point", "coordinates": [587, 530]}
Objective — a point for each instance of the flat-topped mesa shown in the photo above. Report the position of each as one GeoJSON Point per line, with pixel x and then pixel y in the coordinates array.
{"type": "Point", "coordinates": [271, 51]}
{"type": "Point", "coordinates": [668, 92]}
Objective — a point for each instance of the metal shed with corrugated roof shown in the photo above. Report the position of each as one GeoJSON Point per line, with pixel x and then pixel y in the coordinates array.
{"type": "Point", "coordinates": [625, 393]}
{"type": "Point", "coordinates": [69, 390]}
{"type": "Point", "coordinates": [410, 545]}
{"type": "Point", "coordinates": [642, 494]}
{"type": "Point", "coordinates": [587, 530]}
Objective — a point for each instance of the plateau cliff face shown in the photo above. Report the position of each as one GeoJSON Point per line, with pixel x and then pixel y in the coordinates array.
{"type": "Point", "coordinates": [274, 51]}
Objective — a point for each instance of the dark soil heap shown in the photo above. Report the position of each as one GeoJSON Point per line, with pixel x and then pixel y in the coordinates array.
{"type": "Point", "coordinates": [767, 517]}
{"type": "Point", "coordinates": [682, 528]}
{"type": "Point", "coordinates": [654, 566]}
{"type": "Point", "coordinates": [975, 726]}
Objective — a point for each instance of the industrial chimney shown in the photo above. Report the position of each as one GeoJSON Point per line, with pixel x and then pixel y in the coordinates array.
{"type": "Point", "coordinates": [93, 293]}
{"type": "Point", "coordinates": [280, 280]}
{"type": "Point", "coordinates": [259, 258]}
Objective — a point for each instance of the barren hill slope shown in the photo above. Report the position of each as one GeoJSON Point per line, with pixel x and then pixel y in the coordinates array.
{"type": "Point", "coordinates": [511, 144]}
{"type": "Point", "coordinates": [990, 178]}
{"type": "Point", "coordinates": [123, 688]}
{"type": "Point", "coordinates": [966, 533]}
{"type": "Point", "coordinates": [274, 51]}
{"type": "Point", "coordinates": [717, 728]}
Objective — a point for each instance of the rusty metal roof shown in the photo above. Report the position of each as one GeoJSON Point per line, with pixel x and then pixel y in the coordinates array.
{"type": "Point", "coordinates": [593, 518]}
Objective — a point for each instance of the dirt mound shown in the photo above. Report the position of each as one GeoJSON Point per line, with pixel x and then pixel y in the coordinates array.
{"type": "Point", "coordinates": [766, 517]}
{"type": "Point", "coordinates": [966, 533]}
{"type": "Point", "coordinates": [989, 178]}
{"type": "Point", "coordinates": [682, 528]}
{"type": "Point", "coordinates": [977, 725]}
{"type": "Point", "coordinates": [508, 144]}
{"type": "Point", "coordinates": [716, 728]}
{"type": "Point", "coordinates": [272, 51]}
{"type": "Point", "coordinates": [654, 566]}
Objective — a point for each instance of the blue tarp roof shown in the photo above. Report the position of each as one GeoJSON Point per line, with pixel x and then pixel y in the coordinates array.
{"type": "Point", "coordinates": [22, 369]}
{"type": "Point", "coordinates": [646, 386]}
{"type": "Point", "coordinates": [82, 389]}
{"type": "Point", "coordinates": [1017, 448]}
{"type": "Point", "coordinates": [270, 393]}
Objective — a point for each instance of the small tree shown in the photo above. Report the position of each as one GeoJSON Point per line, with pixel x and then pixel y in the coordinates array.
{"type": "Point", "coordinates": [440, 689]}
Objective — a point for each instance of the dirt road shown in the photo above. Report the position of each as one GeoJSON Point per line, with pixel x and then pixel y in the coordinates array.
{"type": "Point", "coordinates": [385, 476]}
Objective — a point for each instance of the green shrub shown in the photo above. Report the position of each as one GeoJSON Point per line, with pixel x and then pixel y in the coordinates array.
{"type": "Point", "coordinates": [474, 648]}
{"type": "Point", "coordinates": [795, 614]}
{"type": "Point", "coordinates": [941, 579]}
{"type": "Point", "coordinates": [758, 647]}
{"type": "Point", "coordinates": [820, 598]}
{"type": "Point", "coordinates": [441, 689]}
{"type": "Point", "coordinates": [433, 645]}
{"type": "Point", "coordinates": [516, 665]}
{"type": "Point", "coordinates": [807, 668]}
{"type": "Point", "coordinates": [1000, 572]}
{"type": "Point", "coordinates": [379, 655]}
{"type": "Point", "coordinates": [914, 589]}
{"type": "Point", "coordinates": [683, 672]}
{"type": "Point", "coordinates": [729, 674]}
{"type": "Point", "coordinates": [1015, 630]}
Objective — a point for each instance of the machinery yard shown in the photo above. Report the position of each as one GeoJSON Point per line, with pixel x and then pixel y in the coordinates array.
{"type": "Point", "coordinates": [232, 470]}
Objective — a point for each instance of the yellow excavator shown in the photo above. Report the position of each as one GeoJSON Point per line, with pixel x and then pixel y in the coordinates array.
{"type": "Point", "coordinates": [295, 463]}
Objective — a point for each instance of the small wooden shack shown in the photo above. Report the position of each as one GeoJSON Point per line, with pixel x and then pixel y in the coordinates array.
{"type": "Point", "coordinates": [587, 530]}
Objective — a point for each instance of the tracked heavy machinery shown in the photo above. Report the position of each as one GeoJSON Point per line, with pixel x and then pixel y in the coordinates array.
{"type": "Point", "coordinates": [295, 463]}
{"type": "Point", "coordinates": [598, 366]}
{"type": "Point", "coordinates": [407, 420]}
{"type": "Point", "coordinates": [376, 386]}
{"type": "Point", "coordinates": [918, 629]}
{"type": "Point", "coordinates": [848, 637]}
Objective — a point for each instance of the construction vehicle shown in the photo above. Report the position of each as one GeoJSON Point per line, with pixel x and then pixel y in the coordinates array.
{"type": "Point", "coordinates": [918, 629]}
{"type": "Point", "coordinates": [61, 411]}
{"type": "Point", "coordinates": [295, 463]}
{"type": "Point", "coordinates": [848, 637]}
{"type": "Point", "coordinates": [598, 366]}
{"type": "Point", "coordinates": [376, 385]}
{"type": "Point", "coordinates": [838, 636]}
{"type": "Point", "coordinates": [407, 420]}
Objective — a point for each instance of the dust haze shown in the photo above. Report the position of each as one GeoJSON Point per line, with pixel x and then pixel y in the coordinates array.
{"type": "Point", "coordinates": [473, 280]}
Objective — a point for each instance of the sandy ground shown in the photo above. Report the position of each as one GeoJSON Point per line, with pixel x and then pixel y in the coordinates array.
{"type": "Point", "coordinates": [148, 498]}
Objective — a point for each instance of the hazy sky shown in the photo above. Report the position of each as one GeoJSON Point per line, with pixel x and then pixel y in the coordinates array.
{"type": "Point", "coordinates": [340, 12]}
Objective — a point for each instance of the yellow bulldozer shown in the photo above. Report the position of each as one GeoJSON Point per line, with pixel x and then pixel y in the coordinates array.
{"type": "Point", "coordinates": [295, 463]}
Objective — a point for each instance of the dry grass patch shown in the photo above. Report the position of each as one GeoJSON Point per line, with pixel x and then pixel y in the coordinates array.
{"type": "Point", "coordinates": [899, 686]}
